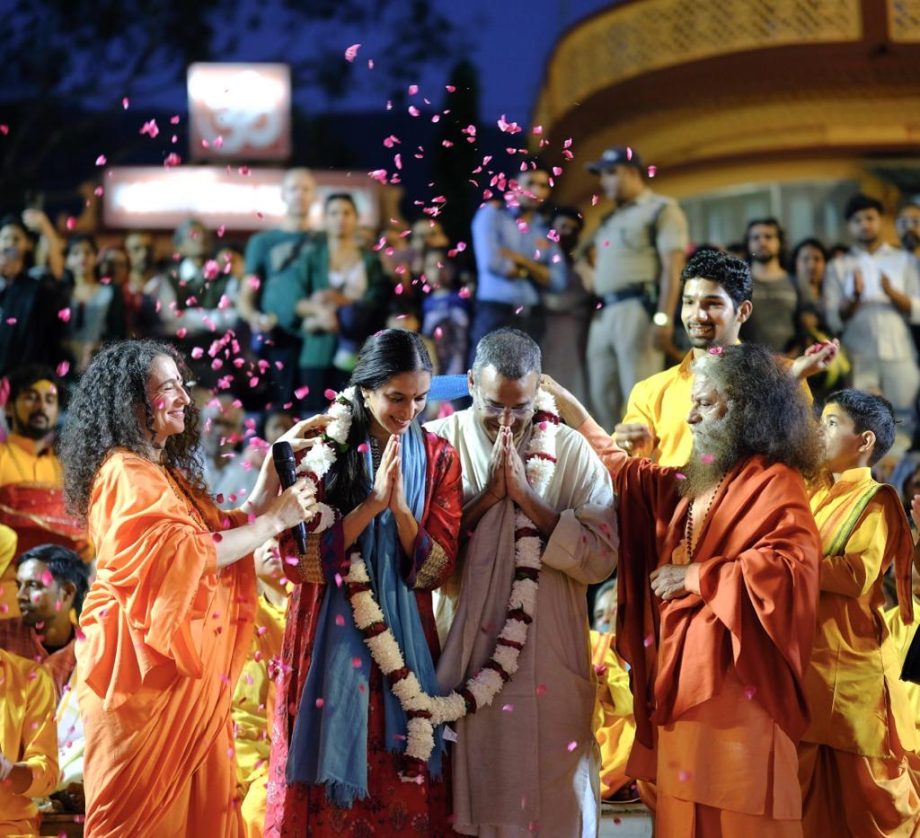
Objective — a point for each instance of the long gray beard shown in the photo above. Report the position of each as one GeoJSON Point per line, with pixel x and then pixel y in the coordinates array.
{"type": "Point", "coordinates": [716, 451]}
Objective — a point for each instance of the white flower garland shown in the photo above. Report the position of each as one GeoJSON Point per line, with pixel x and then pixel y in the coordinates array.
{"type": "Point", "coordinates": [424, 711]}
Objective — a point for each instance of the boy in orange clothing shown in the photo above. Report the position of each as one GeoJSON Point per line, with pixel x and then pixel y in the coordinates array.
{"type": "Point", "coordinates": [853, 759]}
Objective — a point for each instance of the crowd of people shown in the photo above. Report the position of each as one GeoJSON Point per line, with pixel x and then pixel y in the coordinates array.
{"type": "Point", "coordinates": [735, 496]}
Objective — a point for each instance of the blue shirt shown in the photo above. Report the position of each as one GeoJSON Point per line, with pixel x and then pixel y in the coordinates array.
{"type": "Point", "coordinates": [495, 227]}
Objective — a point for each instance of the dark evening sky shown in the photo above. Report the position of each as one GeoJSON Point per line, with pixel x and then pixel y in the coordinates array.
{"type": "Point", "coordinates": [508, 40]}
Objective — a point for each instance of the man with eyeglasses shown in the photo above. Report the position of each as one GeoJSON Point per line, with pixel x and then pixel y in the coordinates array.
{"type": "Point", "coordinates": [542, 764]}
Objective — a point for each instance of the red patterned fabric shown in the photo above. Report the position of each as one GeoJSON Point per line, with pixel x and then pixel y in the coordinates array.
{"type": "Point", "coordinates": [392, 806]}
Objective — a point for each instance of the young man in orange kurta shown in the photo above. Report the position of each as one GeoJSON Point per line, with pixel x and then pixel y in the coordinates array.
{"type": "Point", "coordinates": [718, 579]}
{"type": "Point", "coordinates": [854, 757]}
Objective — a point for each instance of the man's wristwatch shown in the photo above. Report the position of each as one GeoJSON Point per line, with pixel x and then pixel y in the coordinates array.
{"type": "Point", "coordinates": [661, 319]}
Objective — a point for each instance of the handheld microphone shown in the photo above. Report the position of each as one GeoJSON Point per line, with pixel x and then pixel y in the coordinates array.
{"type": "Point", "coordinates": [286, 467]}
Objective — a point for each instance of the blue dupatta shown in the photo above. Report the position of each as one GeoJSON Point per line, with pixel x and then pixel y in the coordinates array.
{"type": "Point", "coordinates": [329, 741]}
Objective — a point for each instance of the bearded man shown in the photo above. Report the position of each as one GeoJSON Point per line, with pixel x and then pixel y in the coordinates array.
{"type": "Point", "coordinates": [718, 586]}
{"type": "Point", "coordinates": [527, 761]}
{"type": "Point", "coordinates": [31, 477]}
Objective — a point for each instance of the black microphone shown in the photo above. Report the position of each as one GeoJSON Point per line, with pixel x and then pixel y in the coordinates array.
{"type": "Point", "coordinates": [286, 466]}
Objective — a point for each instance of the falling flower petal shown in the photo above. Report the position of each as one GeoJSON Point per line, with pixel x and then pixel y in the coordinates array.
{"type": "Point", "coordinates": [352, 52]}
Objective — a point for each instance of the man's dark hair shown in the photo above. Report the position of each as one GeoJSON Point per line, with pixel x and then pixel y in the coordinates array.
{"type": "Point", "coordinates": [64, 565]}
{"type": "Point", "coordinates": [23, 378]}
{"type": "Point", "coordinates": [769, 408]}
{"type": "Point", "coordinates": [731, 273]}
{"type": "Point", "coordinates": [13, 220]}
{"type": "Point", "coordinates": [347, 197]}
{"type": "Point", "coordinates": [869, 413]}
{"type": "Point", "coordinates": [511, 352]}
{"type": "Point", "coordinates": [569, 212]}
{"type": "Point", "coordinates": [860, 202]}
{"type": "Point", "coordinates": [81, 238]}
{"type": "Point", "coordinates": [911, 204]}
{"type": "Point", "coordinates": [811, 242]}
{"type": "Point", "coordinates": [770, 221]}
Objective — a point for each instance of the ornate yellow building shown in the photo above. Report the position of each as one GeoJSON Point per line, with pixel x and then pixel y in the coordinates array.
{"type": "Point", "coordinates": [745, 107]}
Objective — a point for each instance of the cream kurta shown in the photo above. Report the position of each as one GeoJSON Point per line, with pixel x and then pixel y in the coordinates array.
{"type": "Point", "coordinates": [530, 762]}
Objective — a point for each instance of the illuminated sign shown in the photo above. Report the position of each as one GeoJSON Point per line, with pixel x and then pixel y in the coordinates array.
{"type": "Point", "coordinates": [239, 111]}
{"type": "Point", "coordinates": [157, 198]}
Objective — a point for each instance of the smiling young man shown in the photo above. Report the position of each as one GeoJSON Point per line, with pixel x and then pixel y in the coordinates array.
{"type": "Point", "coordinates": [853, 758]}
{"type": "Point", "coordinates": [31, 477]}
{"type": "Point", "coordinates": [530, 757]}
{"type": "Point", "coordinates": [717, 589]}
{"type": "Point", "coordinates": [716, 302]}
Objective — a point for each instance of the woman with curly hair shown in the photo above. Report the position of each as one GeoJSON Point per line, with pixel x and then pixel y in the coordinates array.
{"type": "Point", "coordinates": [167, 623]}
{"type": "Point", "coordinates": [339, 740]}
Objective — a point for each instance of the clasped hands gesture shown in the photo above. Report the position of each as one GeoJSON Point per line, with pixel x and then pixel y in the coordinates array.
{"type": "Point", "coordinates": [388, 491]}
{"type": "Point", "coordinates": [507, 476]}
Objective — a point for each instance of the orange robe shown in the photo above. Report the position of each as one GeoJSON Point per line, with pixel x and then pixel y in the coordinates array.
{"type": "Point", "coordinates": [165, 637]}
{"type": "Point", "coordinates": [717, 677]}
{"type": "Point", "coordinates": [855, 756]}
{"type": "Point", "coordinates": [615, 726]}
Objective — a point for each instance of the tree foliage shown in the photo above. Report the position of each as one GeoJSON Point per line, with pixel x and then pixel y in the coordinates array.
{"type": "Point", "coordinates": [86, 56]}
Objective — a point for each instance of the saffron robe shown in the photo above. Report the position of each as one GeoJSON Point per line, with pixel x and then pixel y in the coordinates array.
{"type": "Point", "coordinates": [530, 759]}
{"type": "Point", "coordinates": [854, 757]}
{"type": "Point", "coordinates": [165, 636]}
{"type": "Point", "coordinates": [748, 633]}
{"type": "Point", "coordinates": [27, 735]}
{"type": "Point", "coordinates": [392, 807]}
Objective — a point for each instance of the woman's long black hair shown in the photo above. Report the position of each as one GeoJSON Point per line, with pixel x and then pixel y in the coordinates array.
{"type": "Point", "coordinates": [385, 354]}
{"type": "Point", "coordinates": [103, 415]}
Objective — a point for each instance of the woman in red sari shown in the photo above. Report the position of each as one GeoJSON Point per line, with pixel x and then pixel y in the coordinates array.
{"type": "Point", "coordinates": [339, 732]}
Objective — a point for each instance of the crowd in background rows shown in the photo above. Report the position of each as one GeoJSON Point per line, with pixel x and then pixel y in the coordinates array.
{"type": "Point", "coordinates": [270, 325]}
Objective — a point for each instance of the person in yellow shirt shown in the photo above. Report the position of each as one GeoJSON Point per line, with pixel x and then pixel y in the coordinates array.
{"type": "Point", "coordinates": [615, 725]}
{"type": "Point", "coordinates": [854, 758]}
{"type": "Point", "coordinates": [31, 477]}
{"type": "Point", "coordinates": [9, 607]}
{"type": "Point", "coordinates": [254, 698]}
{"type": "Point", "coordinates": [715, 302]}
{"type": "Point", "coordinates": [900, 635]}
{"type": "Point", "coordinates": [28, 743]}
